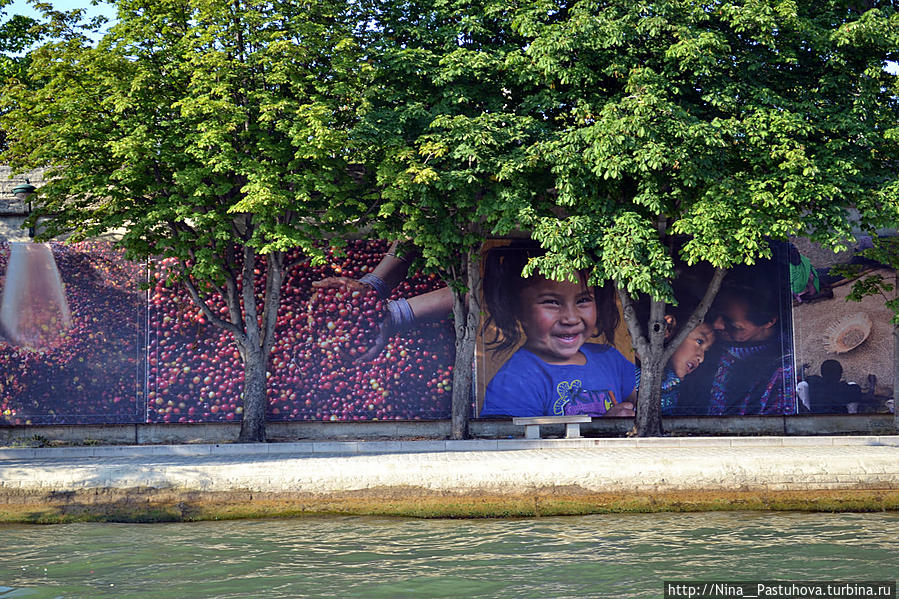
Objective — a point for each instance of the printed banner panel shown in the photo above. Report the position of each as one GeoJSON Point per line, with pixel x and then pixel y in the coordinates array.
{"type": "Point", "coordinates": [550, 348]}
{"type": "Point", "coordinates": [844, 348]}
{"type": "Point", "coordinates": [80, 343]}
{"type": "Point", "coordinates": [748, 366]}
{"type": "Point", "coordinates": [317, 370]}
{"type": "Point", "coordinates": [71, 334]}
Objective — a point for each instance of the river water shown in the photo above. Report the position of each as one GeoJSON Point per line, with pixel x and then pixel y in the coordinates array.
{"type": "Point", "coordinates": [620, 555]}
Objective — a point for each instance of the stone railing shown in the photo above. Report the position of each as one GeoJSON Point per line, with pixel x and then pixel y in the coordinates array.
{"type": "Point", "coordinates": [10, 205]}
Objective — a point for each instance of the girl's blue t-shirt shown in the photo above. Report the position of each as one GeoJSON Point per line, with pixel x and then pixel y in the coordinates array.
{"type": "Point", "coordinates": [528, 386]}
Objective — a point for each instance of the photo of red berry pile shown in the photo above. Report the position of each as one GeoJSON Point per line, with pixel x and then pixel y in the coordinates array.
{"type": "Point", "coordinates": [344, 323]}
{"type": "Point", "coordinates": [195, 373]}
{"type": "Point", "coordinates": [90, 371]}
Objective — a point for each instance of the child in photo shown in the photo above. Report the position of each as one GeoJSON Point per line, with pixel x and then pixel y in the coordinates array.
{"type": "Point", "coordinates": [685, 359]}
{"type": "Point", "coordinates": [555, 372]}
{"type": "Point", "coordinates": [688, 287]}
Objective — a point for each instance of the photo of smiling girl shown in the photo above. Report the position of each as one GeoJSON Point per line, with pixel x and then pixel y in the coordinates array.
{"type": "Point", "coordinates": [555, 371]}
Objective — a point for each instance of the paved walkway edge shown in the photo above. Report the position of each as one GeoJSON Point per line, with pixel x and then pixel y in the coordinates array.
{"type": "Point", "coordinates": [369, 447]}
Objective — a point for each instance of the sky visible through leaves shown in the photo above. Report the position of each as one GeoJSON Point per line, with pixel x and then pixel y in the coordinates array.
{"type": "Point", "coordinates": [22, 7]}
{"type": "Point", "coordinates": [25, 8]}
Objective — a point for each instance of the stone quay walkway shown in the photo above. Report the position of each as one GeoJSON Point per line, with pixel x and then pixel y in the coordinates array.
{"type": "Point", "coordinates": [476, 478]}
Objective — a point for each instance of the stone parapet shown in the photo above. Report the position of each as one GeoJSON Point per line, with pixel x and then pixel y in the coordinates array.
{"type": "Point", "coordinates": [226, 432]}
{"type": "Point", "coordinates": [575, 475]}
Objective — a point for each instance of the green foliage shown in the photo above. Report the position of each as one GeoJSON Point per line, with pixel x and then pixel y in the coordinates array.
{"type": "Point", "coordinates": [886, 252]}
{"type": "Point", "coordinates": [449, 117]}
{"type": "Point", "coordinates": [732, 121]}
{"type": "Point", "coordinates": [587, 122]}
{"type": "Point", "coordinates": [17, 34]}
{"type": "Point", "coordinates": [194, 125]}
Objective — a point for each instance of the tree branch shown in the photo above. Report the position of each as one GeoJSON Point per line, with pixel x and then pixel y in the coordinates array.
{"type": "Point", "coordinates": [641, 343]}
{"type": "Point", "coordinates": [213, 318]}
{"type": "Point", "coordinates": [274, 273]}
{"type": "Point", "coordinates": [698, 313]}
{"type": "Point", "coordinates": [248, 291]}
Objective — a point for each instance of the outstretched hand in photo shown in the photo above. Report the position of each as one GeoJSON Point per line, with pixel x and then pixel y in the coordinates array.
{"type": "Point", "coordinates": [368, 338]}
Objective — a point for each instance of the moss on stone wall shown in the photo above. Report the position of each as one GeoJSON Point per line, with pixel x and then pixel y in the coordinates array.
{"type": "Point", "coordinates": [150, 505]}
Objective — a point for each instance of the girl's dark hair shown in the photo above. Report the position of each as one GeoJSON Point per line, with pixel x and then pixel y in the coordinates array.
{"type": "Point", "coordinates": [688, 287]}
{"type": "Point", "coordinates": [503, 285]}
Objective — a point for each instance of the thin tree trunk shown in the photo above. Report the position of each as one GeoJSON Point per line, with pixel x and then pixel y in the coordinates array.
{"type": "Point", "coordinates": [648, 420]}
{"type": "Point", "coordinates": [252, 427]}
{"type": "Point", "coordinates": [260, 329]}
{"type": "Point", "coordinates": [466, 313]}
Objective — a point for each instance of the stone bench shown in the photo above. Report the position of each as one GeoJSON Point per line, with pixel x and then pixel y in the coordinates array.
{"type": "Point", "coordinates": [532, 424]}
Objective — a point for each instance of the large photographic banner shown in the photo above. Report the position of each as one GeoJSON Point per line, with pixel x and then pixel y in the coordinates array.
{"type": "Point", "coordinates": [315, 371]}
{"type": "Point", "coordinates": [71, 334]}
{"type": "Point", "coordinates": [82, 343]}
{"type": "Point", "coordinates": [560, 348]}
{"type": "Point", "coordinates": [532, 359]}
{"type": "Point", "coordinates": [844, 349]}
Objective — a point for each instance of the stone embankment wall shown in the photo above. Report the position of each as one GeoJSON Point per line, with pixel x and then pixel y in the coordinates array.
{"type": "Point", "coordinates": [478, 478]}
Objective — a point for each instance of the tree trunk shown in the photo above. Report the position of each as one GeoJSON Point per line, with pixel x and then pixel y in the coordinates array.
{"type": "Point", "coordinates": [654, 352]}
{"type": "Point", "coordinates": [653, 356]}
{"type": "Point", "coordinates": [259, 339]}
{"type": "Point", "coordinates": [252, 427]}
{"type": "Point", "coordinates": [648, 421]}
{"type": "Point", "coordinates": [466, 319]}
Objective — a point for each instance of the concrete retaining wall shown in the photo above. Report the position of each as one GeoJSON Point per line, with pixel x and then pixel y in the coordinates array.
{"type": "Point", "coordinates": [142, 434]}
{"type": "Point", "coordinates": [485, 477]}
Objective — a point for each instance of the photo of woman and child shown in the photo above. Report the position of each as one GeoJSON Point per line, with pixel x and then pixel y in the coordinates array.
{"type": "Point", "coordinates": [565, 362]}
{"type": "Point", "coordinates": [688, 356]}
{"type": "Point", "coordinates": [750, 370]}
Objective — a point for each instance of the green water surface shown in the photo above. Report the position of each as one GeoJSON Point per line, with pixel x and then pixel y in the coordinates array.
{"type": "Point", "coordinates": [588, 556]}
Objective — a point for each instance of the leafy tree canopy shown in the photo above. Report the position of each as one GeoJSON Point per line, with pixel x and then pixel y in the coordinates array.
{"type": "Point", "coordinates": [724, 121]}
{"type": "Point", "coordinates": [17, 34]}
{"type": "Point", "coordinates": [729, 121]}
{"type": "Point", "coordinates": [451, 112]}
{"type": "Point", "coordinates": [209, 131]}
{"type": "Point", "coordinates": [187, 116]}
